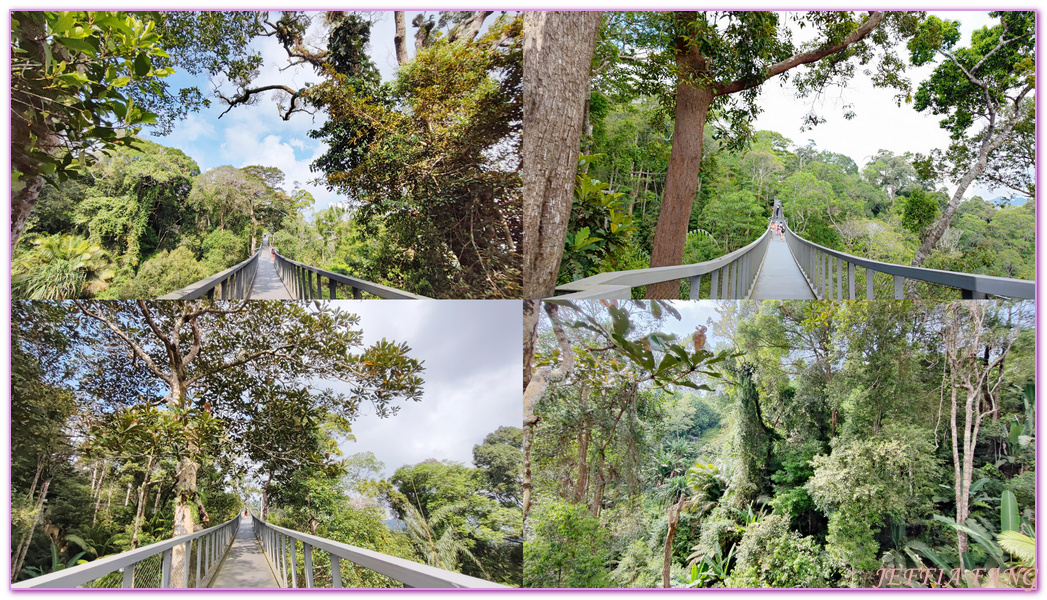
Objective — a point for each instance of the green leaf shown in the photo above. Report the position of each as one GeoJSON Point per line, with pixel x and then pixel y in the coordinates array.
{"type": "Point", "coordinates": [64, 22]}
{"type": "Point", "coordinates": [120, 81]}
{"type": "Point", "coordinates": [77, 45]}
{"type": "Point", "coordinates": [142, 64]}
{"type": "Point", "coordinates": [1010, 518]}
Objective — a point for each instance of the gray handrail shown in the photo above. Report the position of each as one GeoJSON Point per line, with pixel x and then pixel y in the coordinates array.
{"type": "Point", "coordinates": [210, 544]}
{"type": "Point", "coordinates": [281, 554]}
{"type": "Point", "coordinates": [233, 283]}
{"type": "Point", "coordinates": [299, 278]}
{"type": "Point", "coordinates": [823, 268]}
{"type": "Point", "coordinates": [733, 276]}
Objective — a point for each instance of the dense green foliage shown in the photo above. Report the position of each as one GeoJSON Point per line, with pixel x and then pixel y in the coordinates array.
{"type": "Point", "coordinates": [102, 442]}
{"type": "Point", "coordinates": [880, 210]}
{"type": "Point", "coordinates": [428, 162]}
{"type": "Point", "coordinates": [430, 159]}
{"type": "Point", "coordinates": [824, 453]}
{"type": "Point", "coordinates": [884, 209]}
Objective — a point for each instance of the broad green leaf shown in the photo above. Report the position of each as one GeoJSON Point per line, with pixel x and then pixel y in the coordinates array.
{"type": "Point", "coordinates": [1010, 518]}
{"type": "Point", "coordinates": [142, 64]}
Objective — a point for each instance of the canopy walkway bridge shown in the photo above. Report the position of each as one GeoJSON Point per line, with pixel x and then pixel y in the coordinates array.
{"type": "Point", "coordinates": [266, 275]}
{"type": "Point", "coordinates": [246, 552]}
{"type": "Point", "coordinates": [787, 267]}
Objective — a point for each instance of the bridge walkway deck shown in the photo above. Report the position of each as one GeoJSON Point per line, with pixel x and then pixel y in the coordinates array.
{"type": "Point", "coordinates": [267, 283]}
{"type": "Point", "coordinates": [780, 278]}
{"type": "Point", "coordinates": [244, 565]}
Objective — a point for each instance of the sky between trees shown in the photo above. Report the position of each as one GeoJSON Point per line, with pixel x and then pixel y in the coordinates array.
{"type": "Point", "coordinates": [255, 135]}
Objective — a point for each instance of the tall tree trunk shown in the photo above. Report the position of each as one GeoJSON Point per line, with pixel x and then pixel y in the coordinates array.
{"type": "Point", "coordinates": [681, 180]}
{"type": "Point", "coordinates": [143, 496]}
{"type": "Point", "coordinates": [24, 545]}
{"type": "Point", "coordinates": [183, 515]}
{"type": "Point", "coordinates": [581, 483]}
{"type": "Point", "coordinates": [601, 480]}
{"type": "Point", "coordinates": [558, 51]}
{"type": "Point", "coordinates": [536, 387]}
{"type": "Point", "coordinates": [400, 39]}
{"type": "Point", "coordinates": [673, 515]}
{"type": "Point", "coordinates": [265, 497]}
{"type": "Point", "coordinates": [41, 461]}
{"type": "Point", "coordinates": [98, 494]}
{"type": "Point", "coordinates": [32, 39]}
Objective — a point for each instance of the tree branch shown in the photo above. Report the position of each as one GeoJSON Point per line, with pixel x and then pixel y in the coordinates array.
{"type": "Point", "coordinates": [248, 94]}
{"type": "Point", "coordinates": [127, 340]}
{"type": "Point", "coordinates": [803, 58]}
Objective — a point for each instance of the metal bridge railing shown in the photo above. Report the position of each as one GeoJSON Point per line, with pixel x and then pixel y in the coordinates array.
{"type": "Point", "coordinates": [233, 283]}
{"type": "Point", "coordinates": [281, 548]}
{"type": "Point", "coordinates": [149, 566]}
{"type": "Point", "coordinates": [307, 283]}
{"type": "Point", "coordinates": [830, 279]}
{"type": "Point", "coordinates": [731, 276]}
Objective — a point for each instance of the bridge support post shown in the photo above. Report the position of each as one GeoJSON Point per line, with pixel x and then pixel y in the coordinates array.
{"type": "Point", "coordinates": [839, 278]}
{"type": "Point", "coordinates": [336, 572]}
{"type": "Point", "coordinates": [165, 570]}
{"type": "Point", "coordinates": [307, 551]}
{"type": "Point", "coordinates": [294, 563]}
{"type": "Point", "coordinates": [185, 570]}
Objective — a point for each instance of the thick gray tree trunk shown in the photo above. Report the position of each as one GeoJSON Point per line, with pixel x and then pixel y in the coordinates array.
{"type": "Point", "coordinates": [400, 39]}
{"type": "Point", "coordinates": [558, 51]}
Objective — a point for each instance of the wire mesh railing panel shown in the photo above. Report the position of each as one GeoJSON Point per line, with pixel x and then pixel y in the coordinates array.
{"type": "Point", "coordinates": [112, 580]}
{"type": "Point", "coordinates": [148, 573]}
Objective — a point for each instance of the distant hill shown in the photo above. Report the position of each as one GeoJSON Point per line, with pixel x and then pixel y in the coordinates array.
{"type": "Point", "coordinates": [1012, 200]}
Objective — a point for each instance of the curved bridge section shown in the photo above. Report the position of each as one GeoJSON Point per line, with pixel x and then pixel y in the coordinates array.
{"type": "Point", "coordinates": [787, 267]}
{"type": "Point", "coordinates": [267, 275]}
{"type": "Point", "coordinates": [246, 552]}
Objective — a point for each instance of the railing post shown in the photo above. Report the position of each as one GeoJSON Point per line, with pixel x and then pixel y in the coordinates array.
{"type": "Point", "coordinates": [899, 291]}
{"type": "Point", "coordinates": [696, 283]}
{"type": "Point", "coordinates": [333, 288]}
{"type": "Point", "coordinates": [713, 283]}
{"type": "Point", "coordinates": [199, 548]}
{"type": "Point", "coordinates": [307, 551]}
{"type": "Point", "coordinates": [336, 572]}
{"type": "Point", "coordinates": [185, 571]}
{"type": "Point", "coordinates": [850, 281]}
{"type": "Point", "coordinates": [727, 282]}
{"type": "Point", "coordinates": [283, 559]}
{"type": "Point", "coordinates": [869, 283]}
{"type": "Point", "coordinates": [294, 563]}
{"type": "Point", "coordinates": [356, 293]}
{"type": "Point", "coordinates": [129, 576]}
{"type": "Point", "coordinates": [165, 570]}
{"type": "Point", "coordinates": [839, 278]}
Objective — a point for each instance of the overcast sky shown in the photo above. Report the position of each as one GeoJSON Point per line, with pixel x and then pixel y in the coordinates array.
{"type": "Point", "coordinates": [472, 354]}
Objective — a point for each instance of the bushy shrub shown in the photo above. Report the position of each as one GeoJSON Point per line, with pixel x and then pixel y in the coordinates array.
{"type": "Point", "coordinates": [770, 555]}
{"type": "Point", "coordinates": [568, 549]}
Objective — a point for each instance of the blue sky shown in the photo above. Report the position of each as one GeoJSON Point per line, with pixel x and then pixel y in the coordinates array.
{"type": "Point", "coordinates": [256, 135]}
